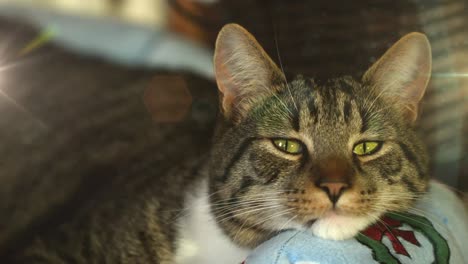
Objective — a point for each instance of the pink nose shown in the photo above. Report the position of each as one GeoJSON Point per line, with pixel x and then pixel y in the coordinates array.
{"type": "Point", "coordinates": [333, 189]}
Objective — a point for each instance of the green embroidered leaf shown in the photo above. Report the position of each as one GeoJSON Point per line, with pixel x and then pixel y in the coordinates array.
{"type": "Point", "coordinates": [421, 224]}
{"type": "Point", "coordinates": [380, 251]}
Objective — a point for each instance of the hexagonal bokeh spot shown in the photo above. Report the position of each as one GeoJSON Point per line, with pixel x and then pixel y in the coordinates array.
{"type": "Point", "coordinates": [168, 99]}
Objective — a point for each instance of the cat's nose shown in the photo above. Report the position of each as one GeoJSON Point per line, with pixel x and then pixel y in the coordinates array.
{"type": "Point", "coordinates": [334, 176]}
{"type": "Point", "coordinates": [334, 189]}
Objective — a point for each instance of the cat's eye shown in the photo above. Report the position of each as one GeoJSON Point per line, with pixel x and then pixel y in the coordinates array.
{"type": "Point", "coordinates": [289, 146]}
{"type": "Point", "coordinates": [367, 148]}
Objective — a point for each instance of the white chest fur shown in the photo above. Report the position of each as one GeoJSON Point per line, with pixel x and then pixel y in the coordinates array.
{"type": "Point", "coordinates": [201, 240]}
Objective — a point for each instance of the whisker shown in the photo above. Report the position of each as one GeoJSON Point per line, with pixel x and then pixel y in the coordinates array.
{"type": "Point", "coordinates": [246, 211]}
{"type": "Point", "coordinates": [223, 204]}
{"type": "Point", "coordinates": [240, 208]}
{"type": "Point", "coordinates": [278, 214]}
{"type": "Point", "coordinates": [282, 69]}
{"type": "Point", "coordinates": [287, 222]}
{"type": "Point", "coordinates": [243, 204]}
{"type": "Point", "coordinates": [264, 220]}
{"type": "Point", "coordinates": [386, 226]}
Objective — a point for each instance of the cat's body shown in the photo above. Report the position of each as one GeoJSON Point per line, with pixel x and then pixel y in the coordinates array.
{"type": "Point", "coordinates": [78, 146]}
{"type": "Point", "coordinates": [201, 240]}
{"type": "Point", "coordinates": [329, 157]}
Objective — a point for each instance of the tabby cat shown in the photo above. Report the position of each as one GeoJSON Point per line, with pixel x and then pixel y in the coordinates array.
{"type": "Point", "coordinates": [326, 156]}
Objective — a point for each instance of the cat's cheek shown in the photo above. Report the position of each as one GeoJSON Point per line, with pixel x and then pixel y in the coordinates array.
{"type": "Point", "coordinates": [339, 227]}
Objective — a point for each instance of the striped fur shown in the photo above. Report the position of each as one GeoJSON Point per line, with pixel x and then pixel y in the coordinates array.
{"type": "Point", "coordinates": [112, 203]}
{"type": "Point", "coordinates": [248, 173]}
{"type": "Point", "coordinates": [86, 175]}
{"type": "Point", "coordinates": [267, 190]}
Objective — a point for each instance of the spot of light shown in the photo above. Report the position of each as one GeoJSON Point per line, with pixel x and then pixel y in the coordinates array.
{"type": "Point", "coordinates": [168, 99]}
{"type": "Point", "coordinates": [7, 63]}
{"type": "Point", "coordinates": [22, 109]}
{"type": "Point", "coordinates": [44, 37]}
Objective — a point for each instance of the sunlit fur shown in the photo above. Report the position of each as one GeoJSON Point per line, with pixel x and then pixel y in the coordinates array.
{"type": "Point", "coordinates": [258, 190]}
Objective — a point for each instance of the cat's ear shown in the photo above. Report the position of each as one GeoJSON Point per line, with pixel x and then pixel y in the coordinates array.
{"type": "Point", "coordinates": [403, 72]}
{"type": "Point", "coordinates": [244, 72]}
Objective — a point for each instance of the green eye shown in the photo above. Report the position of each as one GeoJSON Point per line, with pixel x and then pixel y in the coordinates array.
{"type": "Point", "coordinates": [366, 148]}
{"type": "Point", "coordinates": [289, 146]}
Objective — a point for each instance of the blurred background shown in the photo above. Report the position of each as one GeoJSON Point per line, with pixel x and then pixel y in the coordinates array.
{"type": "Point", "coordinates": [149, 12]}
{"type": "Point", "coordinates": [317, 38]}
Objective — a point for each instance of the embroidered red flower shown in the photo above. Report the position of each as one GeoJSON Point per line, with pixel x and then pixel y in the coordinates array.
{"type": "Point", "coordinates": [389, 227]}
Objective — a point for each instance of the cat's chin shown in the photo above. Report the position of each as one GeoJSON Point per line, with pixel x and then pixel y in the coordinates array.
{"type": "Point", "coordinates": [339, 227]}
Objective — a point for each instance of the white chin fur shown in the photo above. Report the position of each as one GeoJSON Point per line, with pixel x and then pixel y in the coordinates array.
{"type": "Point", "coordinates": [339, 227]}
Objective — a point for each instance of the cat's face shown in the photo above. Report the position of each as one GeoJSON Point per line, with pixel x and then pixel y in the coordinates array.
{"type": "Point", "coordinates": [326, 157]}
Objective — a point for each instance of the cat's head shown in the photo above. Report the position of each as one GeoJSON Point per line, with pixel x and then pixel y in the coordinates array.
{"type": "Point", "coordinates": [330, 158]}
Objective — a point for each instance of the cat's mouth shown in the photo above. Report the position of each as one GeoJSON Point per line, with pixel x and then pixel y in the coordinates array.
{"type": "Point", "coordinates": [337, 226]}
{"type": "Point", "coordinates": [330, 215]}
{"type": "Point", "coordinates": [309, 223]}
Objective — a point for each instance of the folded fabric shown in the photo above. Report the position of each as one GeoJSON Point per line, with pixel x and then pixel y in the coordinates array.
{"type": "Point", "coordinates": [439, 236]}
{"type": "Point", "coordinates": [118, 41]}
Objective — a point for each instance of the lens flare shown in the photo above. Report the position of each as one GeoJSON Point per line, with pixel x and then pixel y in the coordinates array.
{"type": "Point", "coordinates": [44, 37]}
